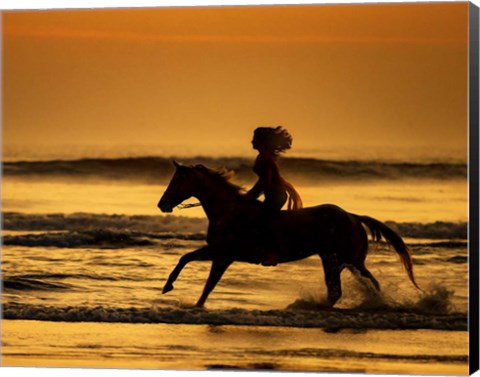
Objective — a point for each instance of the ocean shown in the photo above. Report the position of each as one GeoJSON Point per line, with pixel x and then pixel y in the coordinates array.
{"type": "Point", "coordinates": [86, 253]}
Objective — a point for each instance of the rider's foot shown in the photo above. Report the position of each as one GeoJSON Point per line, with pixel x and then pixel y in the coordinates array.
{"type": "Point", "coordinates": [270, 260]}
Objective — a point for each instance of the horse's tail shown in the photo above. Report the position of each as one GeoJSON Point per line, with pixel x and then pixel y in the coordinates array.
{"type": "Point", "coordinates": [379, 229]}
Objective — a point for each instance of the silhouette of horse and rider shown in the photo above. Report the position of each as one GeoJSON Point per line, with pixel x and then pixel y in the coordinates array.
{"type": "Point", "coordinates": [243, 229]}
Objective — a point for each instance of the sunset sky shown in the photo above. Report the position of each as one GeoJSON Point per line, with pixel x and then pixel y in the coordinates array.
{"type": "Point", "coordinates": [334, 75]}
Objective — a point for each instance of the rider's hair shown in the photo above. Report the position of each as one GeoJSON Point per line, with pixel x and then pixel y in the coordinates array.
{"type": "Point", "coordinates": [276, 140]}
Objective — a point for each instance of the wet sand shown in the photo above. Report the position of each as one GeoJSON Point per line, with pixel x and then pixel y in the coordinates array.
{"type": "Point", "coordinates": [207, 347]}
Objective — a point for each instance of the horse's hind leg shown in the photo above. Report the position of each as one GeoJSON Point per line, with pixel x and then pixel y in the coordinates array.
{"type": "Point", "coordinates": [358, 266]}
{"type": "Point", "coordinates": [332, 271]}
{"type": "Point", "coordinates": [219, 266]}
{"type": "Point", "coordinates": [201, 254]}
{"type": "Point", "coordinates": [364, 272]}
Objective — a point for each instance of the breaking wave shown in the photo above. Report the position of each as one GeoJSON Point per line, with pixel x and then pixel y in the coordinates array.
{"type": "Point", "coordinates": [436, 230]}
{"type": "Point", "coordinates": [95, 238]}
{"type": "Point", "coordinates": [49, 281]}
{"type": "Point", "coordinates": [157, 170]}
{"type": "Point", "coordinates": [87, 221]}
{"type": "Point", "coordinates": [90, 229]}
{"type": "Point", "coordinates": [330, 320]}
{"type": "Point", "coordinates": [106, 239]}
{"type": "Point", "coordinates": [31, 284]}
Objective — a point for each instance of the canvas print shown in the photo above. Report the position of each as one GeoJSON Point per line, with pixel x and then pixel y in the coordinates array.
{"type": "Point", "coordinates": [245, 187]}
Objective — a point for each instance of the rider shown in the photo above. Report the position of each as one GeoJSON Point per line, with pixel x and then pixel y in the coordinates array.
{"type": "Point", "coordinates": [270, 142]}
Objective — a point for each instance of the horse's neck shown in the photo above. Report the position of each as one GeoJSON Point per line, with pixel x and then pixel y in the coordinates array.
{"type": "Point", "coordinates": [217, 202]}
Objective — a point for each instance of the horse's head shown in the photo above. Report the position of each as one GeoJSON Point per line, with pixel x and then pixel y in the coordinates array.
{"type": "Point", "coordinates": [210, 186]}
{"type": "Point", "coordinates": [181, 187]}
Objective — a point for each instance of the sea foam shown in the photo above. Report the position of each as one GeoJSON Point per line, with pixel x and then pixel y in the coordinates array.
{"type": "Point", "coordinates": [181, 226]}
{"type": "Point", "coordinates": [329, 319]}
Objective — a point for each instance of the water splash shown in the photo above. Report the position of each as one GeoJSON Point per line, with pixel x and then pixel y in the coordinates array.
{"type": "Point", "coordinates": [310, 301]}
{"type": "Point", "coordinates": [436, 299]}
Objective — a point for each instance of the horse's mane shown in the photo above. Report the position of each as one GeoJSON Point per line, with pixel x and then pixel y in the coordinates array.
{"type": "Point", "coordinates": [221, 176]}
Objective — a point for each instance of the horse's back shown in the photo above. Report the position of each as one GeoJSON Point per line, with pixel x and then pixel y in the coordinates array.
{"type": "Point", "coordinates": [318, 222]}
{"type": "Point", "coordinates": [310, 222]}
{"type": "Point", "coordinates": [329, 210]}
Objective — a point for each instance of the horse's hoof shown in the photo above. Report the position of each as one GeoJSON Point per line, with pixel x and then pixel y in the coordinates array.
{"type": "Point", "coordinates": [168, 287]}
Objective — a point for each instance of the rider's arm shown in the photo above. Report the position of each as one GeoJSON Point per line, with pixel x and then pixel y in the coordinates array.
{"type": "Point", "coordinates": [263, 182]}
{"type": "Point", "coordinates": [256, 190]}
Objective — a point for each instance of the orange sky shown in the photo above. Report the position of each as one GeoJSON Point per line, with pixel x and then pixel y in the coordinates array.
{"type": "Point", "coordinates": [390, 75]}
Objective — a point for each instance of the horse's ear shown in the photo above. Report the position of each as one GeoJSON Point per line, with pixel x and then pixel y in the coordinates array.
{"type": "Point", "coordinates": [176, 164]}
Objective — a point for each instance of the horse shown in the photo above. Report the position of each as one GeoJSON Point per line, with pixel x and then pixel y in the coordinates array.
{"type": "Point", "coordinates": [240, 230]}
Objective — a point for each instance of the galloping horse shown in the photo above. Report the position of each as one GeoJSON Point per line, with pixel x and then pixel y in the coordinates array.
{"type": "Point", "coordinates": [241, 231]}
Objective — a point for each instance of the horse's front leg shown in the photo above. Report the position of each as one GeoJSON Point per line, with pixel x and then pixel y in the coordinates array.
{"type": "Point", "coordinates": [219, 266]}
{"type": "Point", "coordinates": [204, 253]}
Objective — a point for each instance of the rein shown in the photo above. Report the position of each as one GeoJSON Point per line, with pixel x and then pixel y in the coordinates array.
{"type": "Point", "coordinates": [190, 205]}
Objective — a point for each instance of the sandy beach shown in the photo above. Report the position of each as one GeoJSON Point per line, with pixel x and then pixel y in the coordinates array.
{"type": "Point", "coordinates": [200, 347]}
